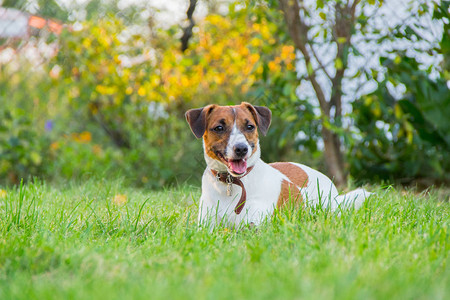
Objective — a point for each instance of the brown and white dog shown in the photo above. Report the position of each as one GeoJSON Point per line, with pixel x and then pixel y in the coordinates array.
{"type": "Point", "coordinates": [238, 188]}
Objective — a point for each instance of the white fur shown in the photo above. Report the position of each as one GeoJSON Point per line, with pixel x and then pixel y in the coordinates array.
{"type": "Point", "coordinates": [321, 191]}
{"type": "Point", "coordinates": [218, 208]}
{"type": "Point", "coordinates": [263, 186]}
{"type": "Point", "coordinates": [236, 137]}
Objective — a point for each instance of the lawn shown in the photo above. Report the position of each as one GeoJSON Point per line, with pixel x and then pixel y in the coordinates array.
{"type": "Point", "coordinates": [104, 240]}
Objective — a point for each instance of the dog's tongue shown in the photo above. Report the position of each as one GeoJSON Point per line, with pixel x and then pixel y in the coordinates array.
{"type": "Point", "coordinates": [238, 166]}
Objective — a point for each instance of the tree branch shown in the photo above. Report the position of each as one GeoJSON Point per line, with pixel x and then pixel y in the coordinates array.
{"type": "Point", "coordinates": [319, 61]}
{"type": "Point", "coordinates": [343, 27]}
{"type": "Point", "coordinates": [298, 30]}
{"type": "Point", "coordinates": [187, 31]}
{"type": "Point", "coordinates": [353, 9]}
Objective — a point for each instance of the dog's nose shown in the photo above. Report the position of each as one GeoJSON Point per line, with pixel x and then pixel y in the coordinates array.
{"type": "Point", "coordinates": [240, 150]}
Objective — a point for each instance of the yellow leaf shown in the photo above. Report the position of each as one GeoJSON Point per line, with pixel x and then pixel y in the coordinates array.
{"type": "Point", "coordinates": [322, 15]}
{"type": "Point", "coordinates": [255, 42]}
{"type": "Point", "coordinates": [35, 158]}
{"type": "Point", "coordinates": [85, 137]}
{"type": "Point", "coordinates": [254, 58]}
{"type": "Point", "coordinates": [2, 193]}
{"type": "Point", "coordinates": [398, 111]}
{"type": "Point", "coordinates": [409, 137]}
{"type": "Point", "coordinates": [141, 91]}
{"type": "Point", "coordinates": [408, 127]}
{"type": "Point", "coordinates": [338, 64]}
{"type": "Point", "coordinates": [341, 40]}
{"type": "Point", "coordinates": [97, 150]}
{"type": "Point", "coordinates": [291, 118]}
{"type": "Point", "coordinates": [119, 199]}
{"type": "Point", "coordinates": [265, 33]}
{"type": "Point", "coordinates": [272, 66]}
{"type": "Point", "coordinates": [86, 43]}
{"type": "Point", "coordinates": [54, 146]}
{"type": "Point", "coordinates": [377, 111]}
{"type": "Point", "coordinates": [105, 90]}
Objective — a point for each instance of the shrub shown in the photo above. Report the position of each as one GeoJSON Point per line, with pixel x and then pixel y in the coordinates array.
{"type": "Point", "coordinates": [23, 150]}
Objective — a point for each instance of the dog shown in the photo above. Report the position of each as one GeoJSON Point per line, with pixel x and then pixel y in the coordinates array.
{"type": "Point", "coordinates": [238, 188]}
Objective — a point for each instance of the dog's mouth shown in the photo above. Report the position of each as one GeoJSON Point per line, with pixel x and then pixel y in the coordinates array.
{"type": "Point", "coordinates": [235, 166]}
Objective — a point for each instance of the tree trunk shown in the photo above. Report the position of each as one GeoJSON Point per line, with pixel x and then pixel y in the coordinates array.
{"type": "Point", "coordinates": [298, 28]}
{"type": "Point", "coordinates": [333, 156]}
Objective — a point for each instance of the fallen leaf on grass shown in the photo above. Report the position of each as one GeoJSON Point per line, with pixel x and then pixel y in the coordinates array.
{"type": "Point", "coordinates": [119, 199]}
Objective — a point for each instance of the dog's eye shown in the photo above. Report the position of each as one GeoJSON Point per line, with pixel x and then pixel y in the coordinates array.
{"type": "Point", "coordinates": [250, 127]}
{"type": "Point", "coordinates": [218, 128]}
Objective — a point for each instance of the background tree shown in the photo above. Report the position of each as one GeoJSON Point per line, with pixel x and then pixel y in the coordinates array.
{"type": "Point", "coordinates": [333, 37]}
{"type": "Point", "coordinates": [112, 100]}
{"type": "Point", "coordinates": [405, 137]}
{"type": "Point", "coordinates": [338, 30]}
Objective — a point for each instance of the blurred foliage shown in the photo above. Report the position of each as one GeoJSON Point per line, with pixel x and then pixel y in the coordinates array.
{"type": "Point", "coordinates": [442, 12]}
{"type": "Point", "coordinates": [294, 129]}
{"type": "Point", "coordinates": [47, 8]}
{"type": "Point", "coordinates": [406, 140]}
{"type": "Point", "coordinates": [112, 101]}
{"type": "Point", "coordinates": [22, 152]}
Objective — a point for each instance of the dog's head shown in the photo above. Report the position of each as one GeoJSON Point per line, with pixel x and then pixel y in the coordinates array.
{"type": "Point", "coordinates": [230, 134]}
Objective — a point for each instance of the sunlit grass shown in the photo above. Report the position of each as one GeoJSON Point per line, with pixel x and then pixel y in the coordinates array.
{"type": "Point", "coordinates": [102, 240]}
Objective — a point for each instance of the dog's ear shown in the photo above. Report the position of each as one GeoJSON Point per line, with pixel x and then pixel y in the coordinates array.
{"type": "Point", "coordinates": [197, 119]}
{"type": "Point", "coordinates": [262, 115]}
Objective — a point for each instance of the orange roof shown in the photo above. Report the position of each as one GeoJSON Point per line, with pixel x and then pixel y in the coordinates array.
{"type": "Point", "coordinates": [55, 27]}
{"type": "Point", "coordinates": [37, 22]}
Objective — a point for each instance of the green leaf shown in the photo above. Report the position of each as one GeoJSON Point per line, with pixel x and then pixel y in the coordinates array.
{"type": "Point", "coordinates": [320, 4]}
{"type": "Point", "coordinates": [322, 15]}
{"type": "Point", "coordinates": [309, 68]}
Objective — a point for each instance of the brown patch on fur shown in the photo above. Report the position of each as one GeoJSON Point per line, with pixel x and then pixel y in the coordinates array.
{"type": "Point", "coordinates": [289, 195]}
{"type": "Point", "coordinates": [203, 121]}
{"type": "Point", "coordinates": [217, 141]}
{"type": "Point", "coordinates": [289, 190]}
{"type": "Point", "coordinates": [262, 116]}
{"type": "Point", "coordinates": [225, 116]}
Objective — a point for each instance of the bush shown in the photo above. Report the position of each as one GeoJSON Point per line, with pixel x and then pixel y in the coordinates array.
{"type": "Point", "coordinates": [23, 150]}
{"type": "Point", "coordinates": [116, 102]}
{"type": "Point", "coordinates": [405, 140]}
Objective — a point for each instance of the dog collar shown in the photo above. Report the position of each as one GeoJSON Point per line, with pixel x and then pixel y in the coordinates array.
{"type": "Point", "coordinates": [226, 177]}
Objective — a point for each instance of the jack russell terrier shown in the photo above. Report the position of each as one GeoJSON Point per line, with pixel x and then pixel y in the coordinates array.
{"type": "Point", "coordinates": [238, 188]}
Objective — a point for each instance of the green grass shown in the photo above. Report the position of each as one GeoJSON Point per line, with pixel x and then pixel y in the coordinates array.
{"type": "Point", "coordinates": [74, 242]}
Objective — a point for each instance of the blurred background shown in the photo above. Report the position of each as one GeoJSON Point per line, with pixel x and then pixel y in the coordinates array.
{"type": "Point", "coordinates": [99, 88]}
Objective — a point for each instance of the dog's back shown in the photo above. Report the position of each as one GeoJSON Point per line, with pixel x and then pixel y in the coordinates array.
{"type": "Point", "coordinates": [314, 188]}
